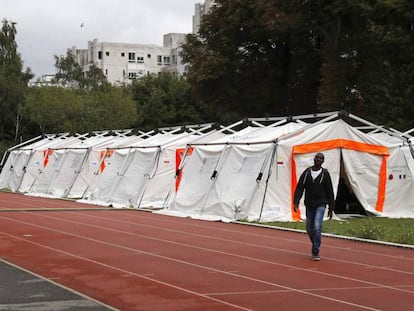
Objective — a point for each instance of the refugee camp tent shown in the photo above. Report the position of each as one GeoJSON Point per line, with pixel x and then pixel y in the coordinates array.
{"type": "Point", "coordinates": [247, 170]}
{"type": "Point", "coordinates": [15, 160]}
{"type": "Point", "coordinates": [91, 166]}
{"type": "Point", "coordinates": [143, 174]}
{"type": "Point", "coordinates": [25, 164]}
{"type": "Point", "coordinates": [126, 171]}
{"type": "Point", "coordinates": [227, 172]}
{"type": "Point", "coordinates": [369, 164]}
{"type": "Point", "coordinates": [71, 167]}
{"type": "Point", "coordinates": [364, 161]}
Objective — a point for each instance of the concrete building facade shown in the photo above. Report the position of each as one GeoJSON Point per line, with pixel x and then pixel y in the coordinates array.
{"type": "Point", "coordinates": [122, 63]}
{"type": "Point", "coordinates": [200, 9]}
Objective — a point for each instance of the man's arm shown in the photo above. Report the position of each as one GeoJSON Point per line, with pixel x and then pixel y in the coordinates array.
{"type": "Point", "coordinates": [330, 195]}
{"type": "Point", "coordinates": [300, 187]}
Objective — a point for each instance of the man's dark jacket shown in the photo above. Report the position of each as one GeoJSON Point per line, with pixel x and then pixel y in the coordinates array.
{"type": "Point", "coordinates": [317, 192]}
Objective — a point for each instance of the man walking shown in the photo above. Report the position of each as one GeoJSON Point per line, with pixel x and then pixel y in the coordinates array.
{"type": "Point", "coordinates": [317, 184]}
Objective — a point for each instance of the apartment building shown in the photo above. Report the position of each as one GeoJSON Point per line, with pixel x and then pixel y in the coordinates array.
{"type": "Point", "coordinates": [200, 10]}
{"type": "Point", "coordinates": [123, 62]}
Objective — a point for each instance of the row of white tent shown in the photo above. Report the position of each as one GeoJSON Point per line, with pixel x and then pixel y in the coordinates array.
{"type": "Point", "coordinates": [247, 170]}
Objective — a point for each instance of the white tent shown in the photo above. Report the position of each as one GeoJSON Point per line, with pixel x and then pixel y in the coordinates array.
{"type": "Point", "coordinates": [227, 173]}
{"type": "Point", "coordinates": [218, 183]}
{"type": "Point", "coordinates": [76, 180]}
{"type": "Point", "coordinates": [25, 164]}
{"type": "Point", "coordinates": [143, 174]}
{"type": "Point", "coordinates": [71, 167]}
{"type": "Point", "coordinates": [18, 158]}
{"type": "Point", "coordinates": [221, 177]}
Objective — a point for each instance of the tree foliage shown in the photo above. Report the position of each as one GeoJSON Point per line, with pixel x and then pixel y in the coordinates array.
{"type": "Point", "coordinates": [69, 73]}
{"type": "Point", "coordinates": [261, 57]}
{"type": "Point", "coordinates": [242, 62]}
{"type": "Point", "coordinates": [250, 58]}
{"type": "Point", "coordinates": [57, 109]}
{"type": "Point", "coordinates": [164, 100]}
{"type": "Point", "coordinates": [13, 83]}
{"type": "Point", "coordinates": [388, 71]}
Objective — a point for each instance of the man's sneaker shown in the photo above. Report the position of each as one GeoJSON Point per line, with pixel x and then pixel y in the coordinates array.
{"type": "Point", "coordinates": [316, 258]}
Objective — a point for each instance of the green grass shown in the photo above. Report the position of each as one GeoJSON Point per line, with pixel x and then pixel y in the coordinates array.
{"type": "Point", "coordinates": [399, 230]}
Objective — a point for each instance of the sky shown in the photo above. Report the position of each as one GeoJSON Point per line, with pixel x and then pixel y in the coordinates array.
{"type": "Point", "coordinates": [46, 28]}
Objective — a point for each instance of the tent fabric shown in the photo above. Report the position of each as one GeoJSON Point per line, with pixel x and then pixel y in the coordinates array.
{"type": "Point", "coordinates": [143, 174]}
{"type": "Point", "coordinates": [226, 174]}
{"type": "Point", "coordinates": [344, 145]}
{"type": "Point", "coordinates": [40, 158]}
{"type": "Point", "coordinates": [243, 171]}
{"type": "Point", "coordinates": [366, 161]}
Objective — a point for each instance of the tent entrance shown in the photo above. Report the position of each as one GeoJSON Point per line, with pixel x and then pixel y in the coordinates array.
{"type": "Point", "coordinates": [346, 202]}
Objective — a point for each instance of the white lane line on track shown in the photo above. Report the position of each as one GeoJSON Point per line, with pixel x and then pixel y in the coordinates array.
{"type": "Point", "coordinates": [29, 199]}
{"type": "Point", "coordinates": [181, 288]}
{"type": "Point", "coordinates": [328, 289]}
{"type": "Point", "coordinates": [372, 242]}
{"type": "Point", "coordinates": [205, 267]}
{"type": "Point", "coordinates": [363, 265]}
{"type": "Point", "coordinates": [143, 276]}
{"type": "Point", "coordinates": [141, 215]}
{"type": "Point", "coordinates": [232, 241]}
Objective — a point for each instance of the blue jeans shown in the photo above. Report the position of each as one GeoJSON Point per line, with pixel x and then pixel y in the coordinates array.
{"type": "Point", "coordinates": [314, 221]}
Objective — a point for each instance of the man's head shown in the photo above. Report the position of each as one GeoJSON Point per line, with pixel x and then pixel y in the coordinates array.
{"type": "Point", "coordinates": [318, 159]}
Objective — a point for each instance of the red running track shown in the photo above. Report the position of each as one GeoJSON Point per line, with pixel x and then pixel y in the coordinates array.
{"type": "Point", "coordinates": [134, 260]}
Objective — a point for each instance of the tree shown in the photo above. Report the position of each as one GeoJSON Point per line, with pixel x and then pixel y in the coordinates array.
{"type": "Point", "coordinates": [387, 77]}
{"type": "Point", "coordinates": [243, 64]}
{"type": "Point", "coordinates": [52, 108]}
{"type": "Point", "coordinates": [70, 73]}
{"type": "Point", "coordinates": [337, 30]}
{"type": "Point", "coordinates": [109, 108]}
{"type": "Point", "coordinates": [13, 84]}
{"type": "Point", "coordinates": [164, 100]}
{"type": "Point", "coordinates": [57, 109]}
{"type": "Point", "coordinates": [292, 56]}
{"type": "Point", "coordinates": [94, 78]}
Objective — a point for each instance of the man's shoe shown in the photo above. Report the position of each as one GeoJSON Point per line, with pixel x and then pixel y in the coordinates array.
{"type": "Point", "coordinates": [316, 258]}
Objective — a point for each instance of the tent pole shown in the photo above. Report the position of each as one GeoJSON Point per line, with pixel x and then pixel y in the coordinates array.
{"type": "Point", "coordinates": [268, 158]}
{"type": "Point", "coordinates": [177, 173]}
{"type": "Point", "coordinates": [120, 174]}
{"type": "Point", "coordinates": [25, 169]}
{"type": "Point", "coordinates": [77, 172]}
{"type": "Point", "coordinates": [272, 159]}
{"type": "Point", "coordinates": [213, 177]}
{"type": "Point", "coordinates": [155, 162]}
{"type": "Point", "coordinates": [380, 128]}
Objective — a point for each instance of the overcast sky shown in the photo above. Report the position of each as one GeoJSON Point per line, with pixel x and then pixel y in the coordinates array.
{"type": "Point", "coordinates": [48, 27]}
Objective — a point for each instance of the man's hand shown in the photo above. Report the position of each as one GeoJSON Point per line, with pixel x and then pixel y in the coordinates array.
{"type": "Point", "coordinates": [296, 208]}
{"type": "Point", "coordinates": [330, 213]}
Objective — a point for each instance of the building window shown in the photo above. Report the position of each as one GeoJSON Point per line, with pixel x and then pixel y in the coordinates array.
{"type": "Point", "coordinates": [107, 53]}
{"type": "Point", "coordinates": [100, 55]}
{"type": "Point", "coordinates": [132, 75]}
{"type": "Point", "coordinates": [122, 54]}
{"type": "Point", "coordinates": [166, 60]}
{"type": "Point", "coordinates": [131, 57]}
{"type": "Point", "coordinates": [159, 59]}
{"type": "Point", "coordinates": [140, 59]}
{"type": "Point", "coordinates": [149, 55]}
{"type": "Point", "coordinates": [106, 71]}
